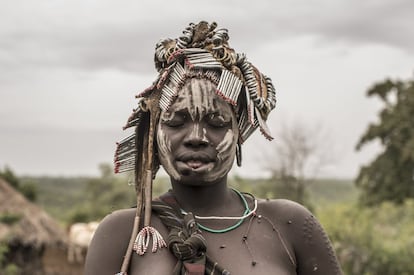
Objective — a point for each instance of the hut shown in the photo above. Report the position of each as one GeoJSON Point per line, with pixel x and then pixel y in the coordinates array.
{"type": "Point", "coordinates": [31, 235]}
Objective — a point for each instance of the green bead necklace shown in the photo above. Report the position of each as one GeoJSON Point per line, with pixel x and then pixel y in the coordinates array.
{"type": "Point", "coordinates": [247, 212]}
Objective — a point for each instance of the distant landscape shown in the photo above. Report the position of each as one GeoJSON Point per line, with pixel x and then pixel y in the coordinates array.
{"type": "Point", "coordinates": [59, 196]}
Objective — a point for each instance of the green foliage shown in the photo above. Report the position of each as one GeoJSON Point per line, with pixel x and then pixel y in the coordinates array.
{"type": "Point", "coordinates": [370, 241]}
{"type": "Point", "coordinates": [273, 188]}
{"type": "Point", "coordinates": [390, 177]}
{"type": "Point", "coordinates": [58, 195]}
{"type": "Point", "coordinates": [320, 193]}
{"type": "Point", "coordinates": [82, 199]}
{"type": "Point", "coordinates": [8, 175]}
{"type": "Point", "coordinates": [102, 196]}
{"type": "Point", "coordinates": [323, 192]}
{"type": "Point", "coordinates": [9, 218]}
{"type": "Point", "coordinates": [292, 188]}
{"type": "Point", "coordinates": [6, 268]}
{"type": "Point", "coordinates": [108, 193]}
{"type": "Point", "coordinates": [28, 189]}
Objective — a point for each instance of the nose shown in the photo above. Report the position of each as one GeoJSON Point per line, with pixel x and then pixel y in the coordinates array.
{"type": "Point", "coordinates": [196, 138]}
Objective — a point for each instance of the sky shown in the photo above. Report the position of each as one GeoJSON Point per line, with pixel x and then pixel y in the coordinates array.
{"type": "Point", "coordinates": [69, 71]}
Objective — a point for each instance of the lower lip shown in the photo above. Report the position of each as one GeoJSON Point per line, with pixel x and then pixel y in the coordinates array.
{"type": "Point", "coordinates": [201, 168]}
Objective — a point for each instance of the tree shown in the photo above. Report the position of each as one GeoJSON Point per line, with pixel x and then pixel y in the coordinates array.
{"type": "Point", "coordinates": [390, 177]}
{"type": "Point", "coordinates": [8, 175]}
{"type": "Point", "coordinates": [28, 190]}
{"type": "Point", "coordinates": [300, 151]}
{"type": "Point", "coordinates": [6, 268]}
{"type": "Point", "coordinates": [103, 195]}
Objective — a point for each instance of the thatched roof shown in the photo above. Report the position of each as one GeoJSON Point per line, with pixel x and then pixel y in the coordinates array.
{"type": "Point", "coordinates": [23, 222]}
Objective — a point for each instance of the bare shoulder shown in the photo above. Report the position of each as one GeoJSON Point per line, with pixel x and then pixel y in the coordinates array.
{"type": "Point", "coordinates": [283, 209]}
{"type": "Point", "coordinates": [118, 217]}
{"type": "Point", "coordinates": [110, 242]}
{"type": "Point", "coordinates": [289, 217]}
{"type": "Point", "coordinates": [119, 223]}
{"type": "Point", "coordinates": [304, 234]}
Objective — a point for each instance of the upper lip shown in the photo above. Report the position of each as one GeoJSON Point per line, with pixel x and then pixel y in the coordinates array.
{"type": "Point", "coordinates": [198, 156]}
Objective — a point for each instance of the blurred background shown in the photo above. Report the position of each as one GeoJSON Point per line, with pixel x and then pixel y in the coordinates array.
{"type": "Point", "coordinates": [343, 127]}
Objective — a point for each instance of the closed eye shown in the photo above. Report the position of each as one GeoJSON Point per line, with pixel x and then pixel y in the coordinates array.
{"type": "Point", "coordinates": [217, 121]}
{"type": "Point", "coordinates": [177, 120]}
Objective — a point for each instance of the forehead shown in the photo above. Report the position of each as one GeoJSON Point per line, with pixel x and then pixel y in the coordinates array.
{"type": "Point", "coordinates": [198, 97]}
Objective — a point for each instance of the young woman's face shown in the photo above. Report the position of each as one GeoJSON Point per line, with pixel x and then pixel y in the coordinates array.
{"type": "Point", "coordinates": [197, 135]}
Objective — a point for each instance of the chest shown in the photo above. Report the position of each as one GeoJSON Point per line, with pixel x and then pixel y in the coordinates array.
{"type": "Point", "coordinates": [252, 248]}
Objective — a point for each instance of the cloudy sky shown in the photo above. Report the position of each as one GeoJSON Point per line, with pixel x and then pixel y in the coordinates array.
{"type": "Point", "coordinates": [69, 71]}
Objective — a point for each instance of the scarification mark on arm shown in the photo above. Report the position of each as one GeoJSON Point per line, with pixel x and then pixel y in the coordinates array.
{"type": "Point", "coordinates": [311, 227]}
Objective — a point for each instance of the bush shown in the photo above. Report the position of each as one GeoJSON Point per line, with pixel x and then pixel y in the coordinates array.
{"type": "Point", "coordinates": [371, 241]}
{"type": "Point", "coordinates": [9, 218]}
{"type": "Point", "coordinates": [28, 190]}
{"type": "Point", "coordinates": [5, 267]}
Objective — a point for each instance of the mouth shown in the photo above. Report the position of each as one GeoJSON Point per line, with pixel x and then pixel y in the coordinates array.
{"type": "Point", "coordinates": [194, 164]}
{"type": "Point", "coordinates": [197, 165]}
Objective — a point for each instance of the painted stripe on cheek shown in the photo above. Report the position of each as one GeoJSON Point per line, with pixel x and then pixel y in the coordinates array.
{"type": "Point", "coordinates": [164, 148]}
{"type": "Point", "coordinates": [223, 146]}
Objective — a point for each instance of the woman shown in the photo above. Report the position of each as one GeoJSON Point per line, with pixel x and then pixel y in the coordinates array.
{"type": "Point", "coordinates": [205, 103]}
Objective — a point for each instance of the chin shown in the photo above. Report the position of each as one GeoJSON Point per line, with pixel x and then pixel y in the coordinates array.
{"type": "Point", "coordinates": [198, 181]}
{"type": "Point", "coordinates": [196, 178]}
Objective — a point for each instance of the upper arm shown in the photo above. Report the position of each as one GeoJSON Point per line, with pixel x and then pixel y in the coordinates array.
{"type": "Point", "coordinates": [313, 249]}
{"type": "Point", "coordinates": [109, 244]}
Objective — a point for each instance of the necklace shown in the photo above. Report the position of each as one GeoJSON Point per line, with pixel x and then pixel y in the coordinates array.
{"type": "Point", "coordinates": [247, 212]}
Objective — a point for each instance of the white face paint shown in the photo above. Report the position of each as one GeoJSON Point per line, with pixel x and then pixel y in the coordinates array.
{"type": "Point", "coordinates": [225, 145]}
{"type": "Point", "coordinates": [164, 149]}
{"type": "Point", "coordinates": [197, 135]}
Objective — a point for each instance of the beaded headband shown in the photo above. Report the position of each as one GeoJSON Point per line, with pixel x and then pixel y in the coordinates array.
{"type": "Point", "coordinates": [201, 52]}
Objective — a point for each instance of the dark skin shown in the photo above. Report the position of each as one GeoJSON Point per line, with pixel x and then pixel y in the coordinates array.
{"type": "Point", "coordinates": [283, 238]}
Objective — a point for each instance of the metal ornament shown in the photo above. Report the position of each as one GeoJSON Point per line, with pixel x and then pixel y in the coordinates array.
{"type": "Point", "coordinates": [239, 154]}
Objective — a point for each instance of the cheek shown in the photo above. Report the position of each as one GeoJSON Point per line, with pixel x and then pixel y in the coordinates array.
{"type": "Point", "coordinates": [164, 144]}
{"type": "Point", "coordinates": [165, 154]}
{"type": "Point", "coordinates": [227, 146]}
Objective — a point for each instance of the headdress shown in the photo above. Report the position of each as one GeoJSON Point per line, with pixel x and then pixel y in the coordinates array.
{"type": "Point", "coordinates": [201, 52]}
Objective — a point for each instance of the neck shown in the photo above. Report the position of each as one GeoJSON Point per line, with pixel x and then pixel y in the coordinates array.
{"type": "Point", "coordinates": [203, 200]}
